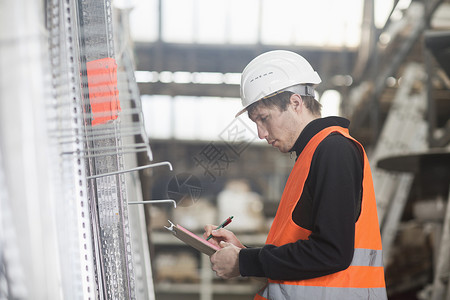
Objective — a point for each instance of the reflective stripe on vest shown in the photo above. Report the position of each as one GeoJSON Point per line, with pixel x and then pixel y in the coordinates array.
{"type": "Point", "coordinates": [364, 278]}
{"type": "Point", "coordinates": [367, 258]}
{"type": "Point", "coordinates": [295, 292]}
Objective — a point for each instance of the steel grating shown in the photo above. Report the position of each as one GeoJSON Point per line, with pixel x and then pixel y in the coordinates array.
{"type": "Point", "coordinates": [66, 231]}
{"type": "Point", "coordinates": [97, 233]}
{"type": "Point", "coordinates": [66, 126]}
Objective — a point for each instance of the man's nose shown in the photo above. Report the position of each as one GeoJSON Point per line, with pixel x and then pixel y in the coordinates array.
{"type": "Point", "coordinates": [262, 132]}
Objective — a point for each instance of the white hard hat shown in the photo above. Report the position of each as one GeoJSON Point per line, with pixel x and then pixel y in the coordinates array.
{"type": "Point", "coordinates": [272, 72]}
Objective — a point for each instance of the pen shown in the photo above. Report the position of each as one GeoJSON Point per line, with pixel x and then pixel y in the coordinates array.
{"type": "Point", "coordinates": [224, 223]}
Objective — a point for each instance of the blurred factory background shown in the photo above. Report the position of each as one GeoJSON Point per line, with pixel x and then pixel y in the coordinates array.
{"type": "Point", "coordinates": [117, 116]}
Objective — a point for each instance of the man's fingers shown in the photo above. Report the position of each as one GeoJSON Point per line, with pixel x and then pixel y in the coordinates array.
{"type": "Point", "coordinates": [208, 230]}
{"type": "Point", "coordinates": [223, 244]}
{"type": "Point", "coordinates": [220, 232]}
{"type": "Point", "coordinates": [212, 259]}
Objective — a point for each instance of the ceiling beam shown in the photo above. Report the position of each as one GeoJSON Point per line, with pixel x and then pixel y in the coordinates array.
{"type": "Point", "coordinates": [189, 89]}
{"type": "Point", "coordinates": [161, 56]}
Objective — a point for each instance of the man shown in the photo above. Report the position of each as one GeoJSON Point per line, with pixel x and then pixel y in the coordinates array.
{"type": "Point", "coordinates": [324, 242]}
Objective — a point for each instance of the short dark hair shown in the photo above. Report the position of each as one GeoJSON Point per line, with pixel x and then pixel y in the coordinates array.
{"type": "Point", "coordinates": [282, 100]}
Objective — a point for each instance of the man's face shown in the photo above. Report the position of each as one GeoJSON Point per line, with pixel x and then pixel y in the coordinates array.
{"type": "Point", "coordinates": [279, 128]}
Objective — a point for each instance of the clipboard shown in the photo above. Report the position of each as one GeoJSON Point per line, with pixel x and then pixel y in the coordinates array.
{"type": "Point", "coordinates": [192, 239]}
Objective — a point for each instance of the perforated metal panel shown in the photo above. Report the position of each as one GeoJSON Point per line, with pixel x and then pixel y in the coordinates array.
{"type": "Point", "coordinates": [66, 131]}
{"type": "Point", "coordinates": [107, 194]}
{"type": "Point", "coordinates": [70, 114]}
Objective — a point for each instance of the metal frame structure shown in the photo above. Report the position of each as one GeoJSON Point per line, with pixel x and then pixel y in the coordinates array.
{"type": "Point", "coordinates": [66, 230]}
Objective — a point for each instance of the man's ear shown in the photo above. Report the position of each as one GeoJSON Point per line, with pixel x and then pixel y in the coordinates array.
{"type": "Point", "coordinates": [296, 102]}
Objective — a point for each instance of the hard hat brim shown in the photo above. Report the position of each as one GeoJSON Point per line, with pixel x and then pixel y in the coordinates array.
{"type": "Point", "coordinates": [309, 91]}
{"type": "Point", "coordinates": [241, 112]}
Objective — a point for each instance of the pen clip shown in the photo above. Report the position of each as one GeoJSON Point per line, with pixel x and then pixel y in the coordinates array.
{"type": "Point", "coordinates": [171, 228]}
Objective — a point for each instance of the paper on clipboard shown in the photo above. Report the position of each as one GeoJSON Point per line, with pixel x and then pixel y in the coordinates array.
{"type": "Point", "coordinates": [192, 239]}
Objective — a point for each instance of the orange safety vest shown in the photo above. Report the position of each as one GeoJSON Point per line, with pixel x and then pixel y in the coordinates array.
{"type": "Point", "coordinates": [364, 278]}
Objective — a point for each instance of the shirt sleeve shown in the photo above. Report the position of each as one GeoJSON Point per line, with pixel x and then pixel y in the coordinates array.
{"type": "Point", "coordinates": [335, 182]}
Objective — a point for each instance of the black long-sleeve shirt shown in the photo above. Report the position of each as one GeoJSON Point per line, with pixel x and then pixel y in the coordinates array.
{"type": "Point", "coordinates": [329, 207]}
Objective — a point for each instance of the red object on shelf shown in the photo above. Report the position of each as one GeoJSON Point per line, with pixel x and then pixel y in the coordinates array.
{"type": "Point", "coordinates": [103, 91]}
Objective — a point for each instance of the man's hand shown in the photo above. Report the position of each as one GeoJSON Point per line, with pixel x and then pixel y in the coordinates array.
{"type": "Point", "coordinates": [221, 235]}
{"type": "Point", "coordinates": [225, 262]}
